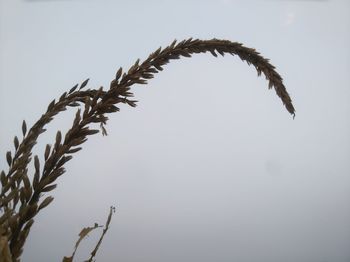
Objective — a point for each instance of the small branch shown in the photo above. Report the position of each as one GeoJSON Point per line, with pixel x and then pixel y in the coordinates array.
{"type": "Point", "coordinates": [93, 253]}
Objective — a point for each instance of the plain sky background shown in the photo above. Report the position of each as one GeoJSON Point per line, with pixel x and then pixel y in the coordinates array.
{"type": "Point", "coordinates": [209, 166]}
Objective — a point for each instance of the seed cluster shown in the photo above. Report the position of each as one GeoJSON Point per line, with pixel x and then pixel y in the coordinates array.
{"type": "Point", "coordinates": [21, 192]}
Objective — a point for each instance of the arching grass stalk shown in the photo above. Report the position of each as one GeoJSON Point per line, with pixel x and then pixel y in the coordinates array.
{"type": "Point", "coordinates": [21, 193]}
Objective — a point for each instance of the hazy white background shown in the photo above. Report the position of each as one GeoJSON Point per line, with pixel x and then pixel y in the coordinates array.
{"type": "Point", "coordinates": [209, 166]}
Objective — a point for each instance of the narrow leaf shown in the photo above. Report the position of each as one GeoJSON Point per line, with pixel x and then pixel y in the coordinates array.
{"type": "Point", "coordinates": [47, 151]}
{"type": "Point", "coordinates": [84, 84]}
{"type": "Point", "coordinates": [51, 105]}
{"type": "Point", "coordinates": [16, 142]}
{"type": "Point", "coordinates": [173, 44]}
{"type": "Point", "coordinates": [36, 179]}
{"type": "Point", "coordinates": [74, 104]}
{"type": "Point", "coordinates": [3, 178]}
{"type": "Point", "coordinates": [103, 129]}
{"type": "Point", "coordinates": [49, 188]}
{"type": "Point", "coordinates": [119, 73]}
{"type": "Point", "coordinates": [24, 128]}
{"type": "Point", "coordinates": [46, 202]}
{"type": "Point", "coordinates": [74, 150]}
{"type": "Point", "coordinates": [73, 89]}
{"type": "Point", "coordinates": [63, 96]}
{"type": "Point", "coordinates": [8, 158]}
{"type": "Point", "coordinates": [36, 163]}
{"type": "Point", "coordinates": [58, 138]}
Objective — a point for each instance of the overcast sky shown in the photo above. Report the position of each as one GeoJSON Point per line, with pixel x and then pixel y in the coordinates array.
{"type": "Point", "coordinates": [209, 166]}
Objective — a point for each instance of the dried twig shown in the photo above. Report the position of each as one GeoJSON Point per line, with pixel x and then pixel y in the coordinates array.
{"type": "Point", "coordinates": [93, 253]}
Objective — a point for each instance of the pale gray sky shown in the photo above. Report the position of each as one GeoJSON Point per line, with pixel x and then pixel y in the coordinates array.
{"type": "Point", "coordinates": [209, 166]}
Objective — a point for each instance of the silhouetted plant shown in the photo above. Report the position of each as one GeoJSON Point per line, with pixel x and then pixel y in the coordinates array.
{"type": "Point", "coordinates": [21, 193]}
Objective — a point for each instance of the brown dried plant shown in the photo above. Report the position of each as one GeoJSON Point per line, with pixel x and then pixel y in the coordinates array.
{"type": "Point", "coordinates": [21, 192]}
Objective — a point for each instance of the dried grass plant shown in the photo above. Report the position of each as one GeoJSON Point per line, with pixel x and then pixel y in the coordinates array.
{"type": "Point", "coordinates": [21, 192]}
